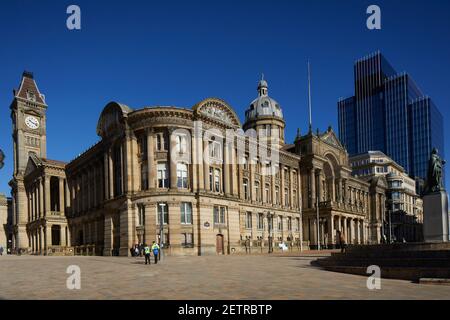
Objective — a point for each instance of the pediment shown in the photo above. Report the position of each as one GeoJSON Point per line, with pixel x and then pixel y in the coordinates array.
{"type": "Point", "coordinates": [330, 138]}
{"type": "Point", "coordinates": [217, 110]}
{"type": "Point", "coordinates": [32, 164]}
{"type": "Point", "coordinates": [112, 119]}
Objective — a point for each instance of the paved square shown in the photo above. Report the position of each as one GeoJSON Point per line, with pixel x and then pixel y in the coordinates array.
{"type": "Point", "coordinates": [209, 277]}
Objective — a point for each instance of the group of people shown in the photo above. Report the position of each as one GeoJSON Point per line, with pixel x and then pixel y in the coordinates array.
{"type": "Point", "coordinates": [143, 249]}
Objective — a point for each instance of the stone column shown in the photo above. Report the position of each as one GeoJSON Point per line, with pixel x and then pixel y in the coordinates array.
{"type": "Point", "coordinates": [282, 197]}
{"type": "Point", "coordinates": [226, 166]}
{"type": "Point", "coordinates": [94, 185]}
{"type": "Point", "coordinates": [127, 229]}
{"type": "Point", "coordinates": [273, 184]}
{"type": "Point", "coordinates": [333, 189]}
{"type": "Point", "coordinates": [41, 198]}
{"type": "Point", "coordinates": [200, 160]}
{"type": "Point", "coordinates": [110, 174]}
{"type": "Point", "coordinates": [61, 195]}
{"type": "Point", "coordinates": [206, 165]}
{"type": "Point", "coordinates": [68, 196]}
{"type": "Point", "coordinates": [312, 183]}
{"type": "Point", "coordinates": [47, 196]}
{"type": "Point", "coordinates": [173, 159]}
{"type": "Point", "coordinates": [42, 243]}
{"type": "Point", "coordinates": [174, 226]}
{"type": "Point", "coordinates": [251, 182]}
{"type": "Point", "coordinates": [345, 229]}
{"type": "Point", "coordinates": [234, 170]}
{"type": "Point", "coordinates": [291, 189]}
{"type": "Point", "coordinates": [331, 235]}
{"type": "Point", "coordinates": [107, 248]}
{"type": "Point", "coordinates": [194, 163]}
{"type": "Point", "coordinates": [105, 175]}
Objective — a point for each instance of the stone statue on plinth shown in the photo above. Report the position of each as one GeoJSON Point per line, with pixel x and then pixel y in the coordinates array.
{"type": "Point", "coordinates": [435, 202]}
{"type": "Point", "coordinates": [435, 169]}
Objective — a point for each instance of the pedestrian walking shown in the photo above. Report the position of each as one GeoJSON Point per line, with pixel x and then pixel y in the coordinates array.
{"type": "Point", "coordinates": [147, 254]}
{"type": "Point", "coordinates": [342, 241]}
{"type": "Point", "coordinates": [155, 249]}
{"type": "Point", "coordinates": [1, 250]}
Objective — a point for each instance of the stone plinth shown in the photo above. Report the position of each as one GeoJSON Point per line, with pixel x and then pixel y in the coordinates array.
{"type": "Point", "coordinates": [435, 217]}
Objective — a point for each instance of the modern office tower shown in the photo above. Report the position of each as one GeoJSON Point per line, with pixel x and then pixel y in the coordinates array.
{"type": "Point", "coordinates": [389, 113]}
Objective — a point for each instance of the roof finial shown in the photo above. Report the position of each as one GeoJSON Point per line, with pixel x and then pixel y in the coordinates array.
{"type": "Point", "coordinates": [262, 75]}
{"type": "Point", "coordinates": [309, 97]}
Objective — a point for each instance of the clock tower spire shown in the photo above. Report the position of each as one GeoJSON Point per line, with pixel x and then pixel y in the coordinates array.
{"type": "Point", "coordinates": [28, 115]}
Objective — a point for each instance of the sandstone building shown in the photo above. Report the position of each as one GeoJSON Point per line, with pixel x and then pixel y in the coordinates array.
{"type": "Point", "coordinates": [404, 207]}
{"type": "Point", "coordinates": [188, 177]}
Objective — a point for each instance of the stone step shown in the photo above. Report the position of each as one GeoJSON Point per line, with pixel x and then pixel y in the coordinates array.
{"type": "Point", "coordinates": [402, 247]}
{"type": "Point", "coordinates": [411, 274]}
{"type": "Point", "coordinates": [438, 254]}
{"type": "Point", "coordinates": [386, 262]}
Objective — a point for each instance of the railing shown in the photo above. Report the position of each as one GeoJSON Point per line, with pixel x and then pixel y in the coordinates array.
{"type": "Point", "coordinates": [60, 251]}
{"type": "Point", "coordinates": [85, 250]}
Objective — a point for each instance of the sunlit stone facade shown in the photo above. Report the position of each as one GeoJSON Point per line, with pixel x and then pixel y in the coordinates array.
{"type": "Point", "coordinates": [190, 178]}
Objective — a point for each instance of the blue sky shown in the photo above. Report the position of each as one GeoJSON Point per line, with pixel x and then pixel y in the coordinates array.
{"type": "Point", "coordinates": [144, 53]}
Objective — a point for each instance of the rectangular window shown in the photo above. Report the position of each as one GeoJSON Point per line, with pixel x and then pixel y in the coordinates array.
{"type": "Point", "coordinates": [216, 180]}
{"type": "Point", "coordinates": [277, 195]}
{"type": "Point", "coordinates": [182, 175]}
{"type": "Point", "coordinates": [163, 177]}
{"type": "Point", "coordinates": [188, 240]}
{"type": "Point", "coordinates": [245, 183]}
{"type": "Point", "coordinates": [289, 223]}
{"type": "Point", "coordinates": [286, 197]}
{"type": "Point", "coordinates": [267, 192]}
{"type": "Point", "coordinates": [245, 162]}
{"type": "Point", "coordinates": [219, 215]}
{"type": "Point", "coordinates": [186, 213]}
{"type": "Point", "coordinates": [297, 224]}
{"type": "Point", "coordinates": [141, 215]}
{"type": "Point", "coordinates": [260, 221]}
{"type": "Point", "coordinates": [163, 211]}
{"type": "Point", "coordinates": [280, 223]}
{"type": "Point", "coordinates": [160, 142]}
{"type": "Point", "coordinates": [257, 191]}
{"type": "Point", "coordinates": [248, 220]}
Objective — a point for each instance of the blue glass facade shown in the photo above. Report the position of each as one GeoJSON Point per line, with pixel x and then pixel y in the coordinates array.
{"type": "Point", "coordinates": [389, 113]}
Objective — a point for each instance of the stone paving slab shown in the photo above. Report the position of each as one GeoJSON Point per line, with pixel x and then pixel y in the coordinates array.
{"type": "Point", "coordinates": [196, 278]}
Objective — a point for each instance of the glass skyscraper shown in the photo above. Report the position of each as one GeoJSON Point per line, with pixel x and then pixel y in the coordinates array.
{"type": "Point", "coordinates": [389, 113]}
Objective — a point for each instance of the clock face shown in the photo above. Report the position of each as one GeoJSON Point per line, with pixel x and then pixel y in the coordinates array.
{"type": "Point", "coordinates": [32, 122]}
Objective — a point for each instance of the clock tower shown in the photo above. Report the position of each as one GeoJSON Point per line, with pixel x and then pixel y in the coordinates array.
{"type": "Point", "coordinates": [28, 114]}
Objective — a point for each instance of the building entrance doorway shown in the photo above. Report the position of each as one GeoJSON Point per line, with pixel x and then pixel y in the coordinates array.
{"type": "Point", "coordinates": [219, 244]}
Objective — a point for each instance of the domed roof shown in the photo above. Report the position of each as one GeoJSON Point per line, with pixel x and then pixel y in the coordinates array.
{"type": "Point", "coordinates": [263, 105]}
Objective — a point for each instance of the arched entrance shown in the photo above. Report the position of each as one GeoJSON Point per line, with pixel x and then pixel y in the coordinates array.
{"type": "Point", "coordinates": [56, 235]}
{"type": "Point", "coordinates": [219, 244]}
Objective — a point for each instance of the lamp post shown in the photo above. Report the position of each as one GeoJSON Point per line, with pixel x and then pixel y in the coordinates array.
{"type": "Point", "coordinates": [270, 221]}
{"type": "Point", "coordinates": [161, 230]}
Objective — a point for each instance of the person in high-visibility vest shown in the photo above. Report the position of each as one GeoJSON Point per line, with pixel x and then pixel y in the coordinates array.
{"type": "Point", "coordinates": [147, 254]}
{"type": "Point", "coordinates": [155, 249]}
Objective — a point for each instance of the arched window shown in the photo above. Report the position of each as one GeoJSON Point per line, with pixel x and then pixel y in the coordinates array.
{"type": "Point", "coordinates": [182, 175]}
{"type": "Point", "coordinates": [163, 178]}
